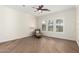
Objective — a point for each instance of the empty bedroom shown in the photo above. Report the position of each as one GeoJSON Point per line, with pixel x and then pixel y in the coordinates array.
{"type": "Point", "coordinates": [39, 29]}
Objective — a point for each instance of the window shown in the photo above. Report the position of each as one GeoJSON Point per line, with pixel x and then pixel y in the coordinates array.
{"type": "Point", "coordinates": [50, 25]}
{"type": "Point", "coordinates": [44, 26]}
{"type": "Point", "coordinates": [59, 25]}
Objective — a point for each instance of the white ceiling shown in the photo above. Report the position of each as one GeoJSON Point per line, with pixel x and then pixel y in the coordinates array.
{"type": "Point", "coordinates": [30, 10]}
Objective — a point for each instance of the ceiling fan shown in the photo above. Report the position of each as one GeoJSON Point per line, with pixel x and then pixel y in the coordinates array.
{"type": "Point", "coordinates": [41, 8]}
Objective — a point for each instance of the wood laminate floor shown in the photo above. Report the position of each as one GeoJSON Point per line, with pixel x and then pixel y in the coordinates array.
{"type": "Point", "coordinates": [42, 45]}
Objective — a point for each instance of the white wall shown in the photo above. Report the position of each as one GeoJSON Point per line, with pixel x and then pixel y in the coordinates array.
{"type": "Point", "coordinates": [69, 17]}
{"type": "Point", "coordinates": [15, 24]}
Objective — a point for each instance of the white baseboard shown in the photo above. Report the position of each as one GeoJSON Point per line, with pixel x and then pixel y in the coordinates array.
{"type": "Point", "coordinates": [61, 37]}
{"type": "Point", "coordinates": [6, 40]}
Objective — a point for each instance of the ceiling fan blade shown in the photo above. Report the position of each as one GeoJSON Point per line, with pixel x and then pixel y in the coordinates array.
{"type": "Point", "coordinates": [40, 7]}
{"type": "Point", "coordinates": [45, 9]}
